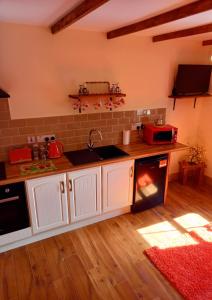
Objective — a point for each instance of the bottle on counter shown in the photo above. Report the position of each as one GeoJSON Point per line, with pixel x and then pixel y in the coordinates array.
{"type": "Point", "coordinates": [43, 152]}
{"type": "Point", "coordinates": [35, 151]}
{"type": "Point", "coordinates": [81, 89]}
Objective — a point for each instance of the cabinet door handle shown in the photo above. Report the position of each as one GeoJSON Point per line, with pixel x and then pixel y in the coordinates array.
{"type": "Point", "coordinates": [62, 187]}
{"type": "Point", "coordinates": [70, 185]}
{"type": "Point", "coordinates": [131, 171]}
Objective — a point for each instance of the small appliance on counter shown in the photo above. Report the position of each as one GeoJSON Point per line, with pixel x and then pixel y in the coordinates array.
{"type": "Point", "coordinates": [55, 148]}
{"type": "Point", "coordinates": [20, 155]}
{"type": "Point", "coordinates": [159, 134]}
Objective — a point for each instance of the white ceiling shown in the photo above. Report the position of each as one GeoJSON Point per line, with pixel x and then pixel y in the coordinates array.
{"type": "Point", "coordinates": [34, 12]}
{"type": "Point", "coordinates": [112, 15]}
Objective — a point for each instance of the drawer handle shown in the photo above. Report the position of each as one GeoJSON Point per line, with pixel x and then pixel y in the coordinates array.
{"type": "Point", "coordinates": [131, 171]}
{"type": "Point", "coordinates": [62, 187]}
{"type": "Point", "coordinates": [70, 185]}
{"type": "Point", "coordinates": [11, 199]}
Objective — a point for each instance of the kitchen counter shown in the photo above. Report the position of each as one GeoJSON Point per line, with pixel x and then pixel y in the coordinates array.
{"type": "Point", "coordinates": [135, 151]}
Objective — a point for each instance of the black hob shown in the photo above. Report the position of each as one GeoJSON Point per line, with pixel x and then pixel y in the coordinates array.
{"type": "Point", "coordinates": [2, 170]}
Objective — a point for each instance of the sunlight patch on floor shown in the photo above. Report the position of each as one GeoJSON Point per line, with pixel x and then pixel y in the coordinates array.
{"type": "Point", "coordinates": [191, 220]}
{"type": "Point", "coordinates": [165, 235]}
{"type": "Point", "coordinates": [196, 223]}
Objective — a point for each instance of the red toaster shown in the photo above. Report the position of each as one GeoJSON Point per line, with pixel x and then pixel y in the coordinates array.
{"type": "Point", "coordinates": [19, 155]}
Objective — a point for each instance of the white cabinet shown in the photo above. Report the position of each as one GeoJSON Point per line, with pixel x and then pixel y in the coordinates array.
{"type": "Point", "coordinates": [117, 185]}
{"type": "Point", "coordinates": [85, 193]}
{"type": "Point", "coordinates": [92, 191]}
{"type": "Point", "coordinates": [48, 204]}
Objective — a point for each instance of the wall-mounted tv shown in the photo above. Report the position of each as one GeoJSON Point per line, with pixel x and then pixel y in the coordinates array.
{"type": "Point", "coordinates": [192, 80]}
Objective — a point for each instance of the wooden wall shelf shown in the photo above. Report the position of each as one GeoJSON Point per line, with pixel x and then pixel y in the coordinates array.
{"type": "Point", "coordinates": [97, 95]}
{"type": "Point", "coordinates": [189, 96]}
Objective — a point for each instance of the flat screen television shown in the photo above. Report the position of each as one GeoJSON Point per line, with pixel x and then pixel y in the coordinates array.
{"type": "Point", "coordinates": [192, 80]}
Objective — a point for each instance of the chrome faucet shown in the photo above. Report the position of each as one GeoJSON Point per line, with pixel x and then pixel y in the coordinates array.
{"type": "Point", "coordinates": [90, 142]}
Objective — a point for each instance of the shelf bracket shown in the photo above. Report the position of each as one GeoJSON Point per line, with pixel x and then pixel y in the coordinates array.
{"type": "Point", "coordinates": [174, 103]}
{"type": "Point", "coordinates": [111, 101]}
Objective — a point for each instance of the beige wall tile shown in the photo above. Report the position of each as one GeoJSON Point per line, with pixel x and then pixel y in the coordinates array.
{"type": "Point", "coordinates": [72, 130]}
{"type": "Point", "coordinates": [27, 130]}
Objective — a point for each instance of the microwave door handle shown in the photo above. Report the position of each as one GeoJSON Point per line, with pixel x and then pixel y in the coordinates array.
{"type": "Point", "coordinates": [11, 199]}
{"type": "Point", "coordinates": [172, 133]}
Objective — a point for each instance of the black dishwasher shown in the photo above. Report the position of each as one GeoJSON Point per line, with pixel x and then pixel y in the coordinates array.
{"type": "Point", "coordinates": [149, 182]}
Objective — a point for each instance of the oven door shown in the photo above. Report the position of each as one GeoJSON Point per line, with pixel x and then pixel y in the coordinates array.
{"type": "Point", "coordinates": [13, 208]}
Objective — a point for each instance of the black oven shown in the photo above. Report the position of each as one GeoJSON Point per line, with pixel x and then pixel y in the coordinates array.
{"type": "Point", "coordinates": [13, 208]}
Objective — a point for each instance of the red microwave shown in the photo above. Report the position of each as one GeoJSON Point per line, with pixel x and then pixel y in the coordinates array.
{"type": "Point", "coordinates": [160, 135]}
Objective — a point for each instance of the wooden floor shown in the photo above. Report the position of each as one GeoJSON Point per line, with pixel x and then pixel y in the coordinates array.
{"type": "Point", "coordinates": [106, 260]}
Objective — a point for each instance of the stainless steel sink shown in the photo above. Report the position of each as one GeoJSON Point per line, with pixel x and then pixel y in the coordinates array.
{"type": "Point", "coordinates": [85, 156]}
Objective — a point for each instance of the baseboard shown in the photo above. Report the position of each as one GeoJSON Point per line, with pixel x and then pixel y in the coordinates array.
{"type": "Point", "coordinates": [15, 236]}
{"type": "Point", "coordinates": [47, 234]}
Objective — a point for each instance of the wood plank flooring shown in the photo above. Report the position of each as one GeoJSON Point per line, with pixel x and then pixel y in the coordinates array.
{"type": "Point", "coordinates": [106, 260]}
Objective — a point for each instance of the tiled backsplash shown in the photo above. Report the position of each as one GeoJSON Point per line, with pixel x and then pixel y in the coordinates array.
{"type": "Point", "coordinates": [71, 130]}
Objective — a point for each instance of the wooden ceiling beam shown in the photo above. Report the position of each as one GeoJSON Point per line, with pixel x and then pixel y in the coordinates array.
{"type": "Point", "coordinates": [183, 33]}
{"type": "Point", "coordinates": [84, 8]}
{"type": "Point", "coordinates": [207, 43]}
{"type": "Point", "coordinates": [172, 15]}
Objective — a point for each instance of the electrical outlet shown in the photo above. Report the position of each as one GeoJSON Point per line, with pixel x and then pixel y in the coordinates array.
{"type": "Point", "coordinates": [147, 112]}
{"type": "Point", "coordinates": [140, 112]}
{"type": "Point", "coordinates": [135, 125]}
{"type": "Point", "coordinates": [41, 138]}
{"type": "Point", "coordinates": [31, 139]}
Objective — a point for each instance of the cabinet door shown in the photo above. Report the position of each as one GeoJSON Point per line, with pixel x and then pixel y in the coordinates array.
{"type": "Point", "coordinates": [85, 193]}
{"type": "Point", "coordinates": [47, 197]}
{"type": "Point", "coordinates": [117, 181]}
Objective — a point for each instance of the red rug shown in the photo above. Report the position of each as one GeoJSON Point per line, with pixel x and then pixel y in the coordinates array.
{"type": "Point", "coordinates": [188, 268]}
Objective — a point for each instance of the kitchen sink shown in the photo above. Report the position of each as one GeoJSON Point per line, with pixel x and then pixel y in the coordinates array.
{"type": "Point", "coordinates": [85, 156]}
{"type": "Point", "coordinates": [108, 152]}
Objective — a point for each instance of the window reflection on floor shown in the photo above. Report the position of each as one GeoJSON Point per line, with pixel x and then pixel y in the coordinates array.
{"type": "Point", "coordinates": [188, 229]}
{"type": "Point", "coordinates": [195, 223]}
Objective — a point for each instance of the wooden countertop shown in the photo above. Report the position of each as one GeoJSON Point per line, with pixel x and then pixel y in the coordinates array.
{"type": "Point", "coordinates": [135, 151]}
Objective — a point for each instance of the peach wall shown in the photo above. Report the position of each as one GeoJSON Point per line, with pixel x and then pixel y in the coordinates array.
{"type": "Point", "coordinates": [39, 70]}
{"type": "Point", "coordinates": [186, 119]}
{"type": "Point", "coordinates": [205, 132]}
{"type": "Point", "coordinates": [204, 135]}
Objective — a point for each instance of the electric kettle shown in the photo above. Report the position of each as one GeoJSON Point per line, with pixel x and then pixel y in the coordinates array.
{"type": "Point", "coordinates": [55, 149]}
